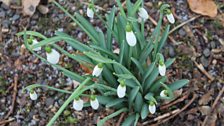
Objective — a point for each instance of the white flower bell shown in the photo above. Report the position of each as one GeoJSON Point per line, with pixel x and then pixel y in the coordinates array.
{"type": "Point", "coordinates": [94, 102]}
{"type": "Point", "coordinates": [162, 69]}
{"type": "Point", "coordinates": [78, 104]}
{"type": "Point", "coordinates": [130, 36]}
{"type": "Point", "coordinates": [143, 14]}
{"type": "Point", "coordinates": [152, 107]}
{"type": "Point", "coordinates": [121, 89]}
{"type": "Point", "coordinates": [53, 56]}
{"type": "Point", "coordinates": [90, 12]}
{"type": "Point", "coordinates": [33, 95]}
{"type": "Point", "coordinates": [163, 93]}
{"type": "Point", "coordinates": [33, 42]}
{"type": "Point", "coordinates": [170, 17]}
{"type": "Point", "coordinates": [97, 70]}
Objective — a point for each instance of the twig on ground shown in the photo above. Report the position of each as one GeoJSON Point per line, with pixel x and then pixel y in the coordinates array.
{"type": "Point", "coordinates": [120, 119]}
{"type": "Point", "coordinates": [3, 122]}
{"type": "Point", "coordinates": [202, 69]}
{"type": "Point", "coordinates": [185, 95]}
{"type": "Point", "coordinates": [161, 119]}
{"type": "Point", "coordinates": [183, 23]}
{"type": "Point", "coordinates": [213, 105]}
{"type": "Point", "coordinates": [14, 96]}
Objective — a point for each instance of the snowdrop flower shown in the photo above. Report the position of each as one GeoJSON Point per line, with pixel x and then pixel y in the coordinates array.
{"type": "Point", "coordinates": [130, 36]}
{"type": "Point", "coordinates": [90, 12]}
{"type": "Point", "coordinates": [163, 93]}
{"type": "Point", "coordinates": [121, 89]}
{"type": "Point", "coordinates": [170, 17]}
{"type": "Point", "coordinates": [152, 107]}
{"type": "Point", "coordinates": [94, 102]}
{"type": "Point", "coordinates": [162, 68]}
{"type": "Point", "coordinates": [78, 104]}
{"type": "Point", "coordinates": [143, 14]}
{"type": "Point", "coordinates": [32, 42]}
{"type": "Point", "coordinates": [33, 95]}
{"type": "Point", "coordinates": [97, 70]}
{"type": "Point", "coordinates": [53, 56]}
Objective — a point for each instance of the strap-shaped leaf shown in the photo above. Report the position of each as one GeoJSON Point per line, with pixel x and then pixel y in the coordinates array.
{"type": "Point", "coordinates": [110, 22]}
{"type": "Point", "coordinates": [129, 120]}
{"type": "Point", "coordinates": [148, 71]}
{"type": "Point", "coordinates": [144, 111]}
{"type": "Point", "coordinates": [102, 41]}
{"type": "Point", "coordinates": [151, 79]}
{"type": "Point", "coordinates": [138, 64]}
{"type": "Point", "coordinates": [132, 96]}
{"type": "Point", "coordinates": [138, 102]}
{"type": "Point", "coordinates": [156, 85]}
{"type": "Point", "coordinates": [101, 122]}
{"type": "Point", "coordinates": [164, 38]}
{"type": "Point", "coordinates": [33, 33]}
{"type": "Point", "coordinates": [178, 84]}
{"type": "Point", "coordinates": [114, 102]}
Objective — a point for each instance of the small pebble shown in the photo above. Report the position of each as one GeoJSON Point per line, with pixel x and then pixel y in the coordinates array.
{"type": "Point", "coordinates": [206, 52]}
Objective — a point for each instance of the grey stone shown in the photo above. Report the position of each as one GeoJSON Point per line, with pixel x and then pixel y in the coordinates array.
{"type": "Point", "coordinates": [206, 52]}
{"type": "Point", "coordinates": [204, 61]}
{"type": "Point", "coordinates": [15, 17]}
{"type": "Point", "coordinates": [182, 32]}
{"type": "Point", "coordinates": [2, 14]}
{"type": "Point", "coordinates": [171, 51]}
{"type": "Point", "coordinates": [49, 101]}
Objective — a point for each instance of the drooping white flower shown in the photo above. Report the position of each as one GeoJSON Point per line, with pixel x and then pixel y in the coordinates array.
{"type": "Point", "coordinates": [170, 18]}
{"type": "Point", "coordinates": [94, 103]}
{"type": "Point", "coordinates": [131, 39]}
{"type": "Point", "coordinates": [152, 108]}
{"type": "Point", "coordinates": [34, 42]}
{"type": "Point", "coordinates": [162, 69]}
{"type": "Point", "coordinates": [163, 93]}
{"type": "Point", "coordinates": [33, 95]}
{"type": "Point", "coordinates": [143, 14]}
{"type": "Point", "coordinates": [53, 56]}
{"type": "Point", "coordinates": [121, 90]}
{"type": "Point", "coordinates": [97, 70]}
{"type": "Point", "coordinates": [78, 104]}
{"type": "Point", "coordinates": [90, 12]}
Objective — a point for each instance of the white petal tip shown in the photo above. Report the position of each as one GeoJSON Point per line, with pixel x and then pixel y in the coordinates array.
{"type": "Point", "coordinates": [121, 91]}
{"type": "Point", "coordinates": [97, 71]}
{"type": "Point", "coordinates": [78, 104]}
{"type": "Point", "coordinates": [162, 70]}
{"type": "Point", "coordinates": [53, 57]}
{"type": "Point", "coordinates": [130, 38]}
{"type": "Point", "coordinates": [152, 109]}
{"type": "Point", "coordinates": [33, 96]}
{"type": "Point", "coordinates": [90, 12]}
{"type": "Point", "coordinates": [94, 104]}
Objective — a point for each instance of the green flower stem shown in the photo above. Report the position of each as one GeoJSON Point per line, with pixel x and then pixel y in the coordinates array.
{"type": "Point", "coordinates": [30, 87]}
{"type": "Point", "coordinates": [72, 97]}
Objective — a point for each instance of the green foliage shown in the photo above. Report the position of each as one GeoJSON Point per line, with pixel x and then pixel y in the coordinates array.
{"type": "Point", "coordinates": [137, 65]}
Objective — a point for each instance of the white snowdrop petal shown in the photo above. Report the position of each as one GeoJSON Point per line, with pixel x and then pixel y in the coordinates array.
{"type": "Point", "coordinates": [152, 109]}
{"type": "Point", "coordinates": [53, 57]}
{"type": "Point", "coordinates": [94, 103]}
{"type": "Point", "coordinates": [34, 43]}
{"type": "Point", "coordinates": [131, 39]}
{"type": "Point", "coordinates": [97, 71]}
{"type": "Point", "coordinates": [90, 12]}
{"type": "Point", "coordinates": [170, 18]}
{"type": "Point", "coordinates": [78, 104]}
{"type": "Point", "coordinates": [162, 70]}
{"type": "Point", "coordinates": [143, 14]}
{"type": "Point", "coordinates": [163, 93]}
{"type": "Point", "coordinates": [33, 96]}
{"type": "Point", "coordinates": [121, 91]}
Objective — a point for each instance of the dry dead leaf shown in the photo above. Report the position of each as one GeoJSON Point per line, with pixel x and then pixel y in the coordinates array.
{"type": "Point", "coordinates": [43, 9]}
{"type": "Point", "coordinates": [203, 7]}
{"type": "Point", "coordinates": [6, 2]}
{"type": "Point", "coordinates": [29, 6]}
{"type": "Point", "coordinates": [205, 98]}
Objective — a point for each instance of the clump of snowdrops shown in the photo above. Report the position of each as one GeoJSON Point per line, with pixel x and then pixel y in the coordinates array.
{"type": "Point", "coordinates": [130, 77]}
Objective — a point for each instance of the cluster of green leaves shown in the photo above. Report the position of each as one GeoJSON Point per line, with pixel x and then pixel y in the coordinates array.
{"type": "Point", "coordinates": [136, 65]}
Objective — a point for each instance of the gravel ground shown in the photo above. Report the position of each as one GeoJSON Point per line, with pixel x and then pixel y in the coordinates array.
{"type": "Point", "coordinates": [199, 42]}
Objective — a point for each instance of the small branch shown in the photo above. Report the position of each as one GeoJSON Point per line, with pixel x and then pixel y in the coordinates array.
{"type": "Point", "coordinates": [161, 119]}
{"type": "Point", "coordinates": [202, 69]}
{"type": "Point", "coordinates": [14, 96]}
{"type": "Point", "coordinates": [213, 105]}
{"type": "Point", "coordinates": [183, 23]}
{"type": "Point", "coordinates": [185, 95]}
{"type": "Point", "coordinates": [120, 119]}
{"type": "Point", "coordinates": [3, 122]}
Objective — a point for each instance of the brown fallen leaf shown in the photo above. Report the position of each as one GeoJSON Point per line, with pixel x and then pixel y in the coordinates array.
{"type": "Point", "coordinates": [29, 6]}
{"type": "Point", "coordinates": [43, 9]}
{"type": "Point", "coordinates": [203, 7]}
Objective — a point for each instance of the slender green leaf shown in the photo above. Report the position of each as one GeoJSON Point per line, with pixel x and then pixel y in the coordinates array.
{"type": "Point", "coordinates": [114, 102]}
{"type": "Point", "coordinates": [138, 102]}
{"type": "Point", "coordinates": [144, 111]}
{"type": "Point", "coordinates": [138, 64]}
{"type": "Point", "coordinates": [178, 84]}
{"type": "Point", "coordinates": [132, 96]}
{"type": "Point", "coordinates": [129, 120]}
